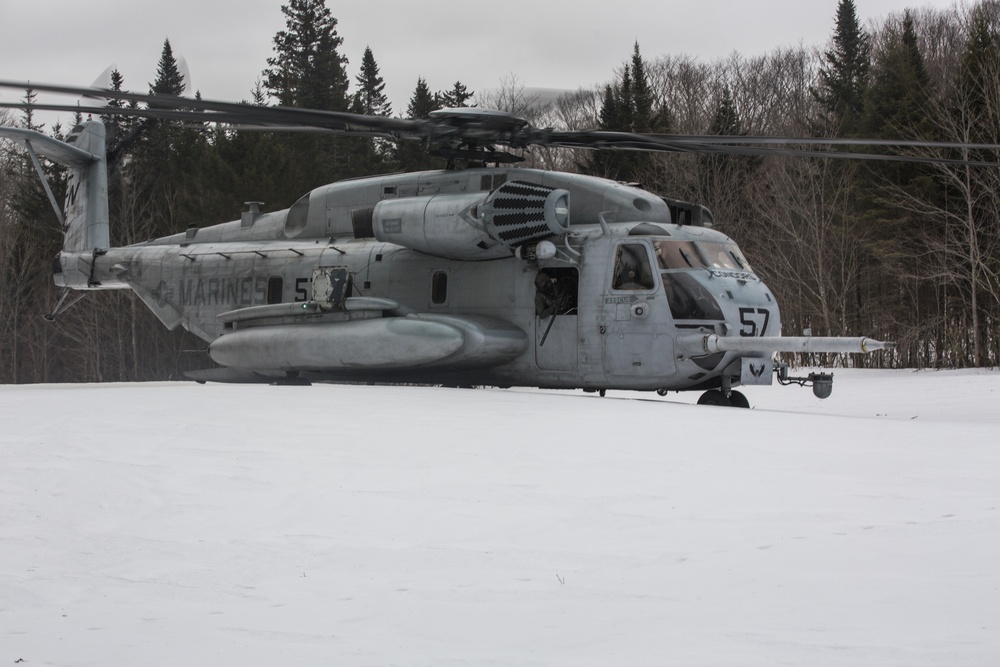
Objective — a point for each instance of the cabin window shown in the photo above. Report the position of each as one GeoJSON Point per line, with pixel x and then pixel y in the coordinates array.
{"type": "Point", "coordinates": [439, 287]}
{"type": "Point", "coordinates": [274, 288]}
{"type": "Point", "coordinates": [556, 292]}
{"type": "Point", "coordinates": [632, 269]}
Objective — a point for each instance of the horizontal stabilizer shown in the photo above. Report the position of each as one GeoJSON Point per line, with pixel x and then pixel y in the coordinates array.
{"type": "Point", "coordinates": [49, 147]}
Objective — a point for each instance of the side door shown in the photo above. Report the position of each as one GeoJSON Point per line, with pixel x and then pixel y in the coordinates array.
{"type": "Point", "coordinates": [635, 317]}
{"type": "Point", "coordinates": [557, 298]}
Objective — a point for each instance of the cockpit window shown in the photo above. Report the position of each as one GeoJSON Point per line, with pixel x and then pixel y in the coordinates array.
{"type": "Point", "coordinates": [703, 255]}
{"type": "Point", "coordinates": [677, 255]}
{"type": "Point", "coordinates": [689, 299]}
{"type": "Point", "coordinates": [738, 256]}
{"type": "Point", "coordinates": [724, 256]}
{"type": "Point", "coordinates": [632, 269]}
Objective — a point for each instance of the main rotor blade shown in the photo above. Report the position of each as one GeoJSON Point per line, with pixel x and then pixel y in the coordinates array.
{"type": "Point", "coordinates": [257, 121]}
{"type": "Point", "coordinates": [455, 128]}
{"type": "Point", "coordinates": [336, 120]}
{"type": "Point", "coordinates": [598, 139]}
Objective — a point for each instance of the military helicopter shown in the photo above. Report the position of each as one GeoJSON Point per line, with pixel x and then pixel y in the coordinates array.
{"type": "Point", "coordinates": [501, 275]}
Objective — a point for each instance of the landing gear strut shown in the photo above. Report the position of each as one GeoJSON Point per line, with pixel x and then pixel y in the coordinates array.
{"type": "Point", "coordinates": [717, 397]}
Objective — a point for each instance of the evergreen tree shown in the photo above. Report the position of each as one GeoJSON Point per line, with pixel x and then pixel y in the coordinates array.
{"type": "Point", "coordinates": [422, 102]}
{"type": "Point", "coordinates": [159, 169]}
{"type": "Point", "coordinates": [726, 182]}
{"type": "Point", "coordinates": [844, 77]}
{"type": "Point", "coordinates": [369, 156]}
{"type": "Point", "coordinates": [976, 69]}
{"type": "Point", "coordinates": [169, 80]}
{"type": "Point", "coordinates": [897, 102]}
{"type": "Point", "coordinates": [456, 97]}
{"type": "Point", "coordinates": [608, 164]}
{"type": "Point", "coordinates": [307, 69]}
{"type": "Point", "coordinates": [642, 95]}
{"type": "Point", "coordinates": [715, 170]}
{"type": "Point", "coordinates": [898, 105]}
{"type": "Point", "coordinates": [412, 155]}
{"type": "Point", "coordinates": [370, 98]}
{"type": "Point", "coordinates": [28, 121]}
{"type": "Point", "coordinates": [114, 122]}
{"type": "Point", "coordinates": [627, 106]}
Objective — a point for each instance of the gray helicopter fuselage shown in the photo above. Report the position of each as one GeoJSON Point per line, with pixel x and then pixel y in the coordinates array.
{"type": "Point", "coordinates": [609, 333]}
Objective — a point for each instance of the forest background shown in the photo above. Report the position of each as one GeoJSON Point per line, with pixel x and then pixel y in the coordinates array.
{"type": "Point", "coordinates": [898, 251]}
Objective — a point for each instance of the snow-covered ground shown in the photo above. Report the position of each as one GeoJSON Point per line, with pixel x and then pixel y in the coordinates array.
{"type": "Point", "coordinates": [170, 524]}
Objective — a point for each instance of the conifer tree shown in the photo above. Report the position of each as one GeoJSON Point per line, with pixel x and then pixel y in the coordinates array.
{"type": "Point", "coordinates": [642, 95]}
{"type": "Point", "coordinates": [412, 155]}
{"type": "Point", "coordinates": [169, 80]}
{"type": "Point", "coordinates": [422, 101]}
{"type": "Point", "coordinates": [456, 97]}
{"type": "Point", "coordinates": [370, 98]}
{"type": "Point", "coordinates": [164, 155]}
{"type": "Point", "coordinates": [976, 69]}
{"type": "Point", "coordinates": [844, 76]}
{"type": "Point", "coordinates": [897, 104]}
{"type": "Point", "coordinates": [899, 93]}
{"type": "Point", "coordinates": [114, 122]}
{"type": "Point", "coordinates": [716, 169]}
{"type": "Point", "coordinates": [627, 107]}
{"type": "Point", "coordinates": [307, 69]}
{"type": "Point", "coordinates": [28, 121]}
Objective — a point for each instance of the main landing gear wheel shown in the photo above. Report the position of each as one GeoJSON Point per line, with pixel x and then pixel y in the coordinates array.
{"type": "Point", "coordinates": [738, 400]}
{"type": "Point", "coordinates": [714, 397]}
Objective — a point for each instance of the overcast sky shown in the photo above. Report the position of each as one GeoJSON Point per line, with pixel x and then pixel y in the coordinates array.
{"type": "Point", "coordinates": [546, 44]}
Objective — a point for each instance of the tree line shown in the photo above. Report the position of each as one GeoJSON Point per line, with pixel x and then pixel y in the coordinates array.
{"type": "Point", "coordinates": [899, 251]}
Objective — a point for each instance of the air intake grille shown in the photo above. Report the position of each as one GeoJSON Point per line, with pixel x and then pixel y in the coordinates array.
{"type": "Point", "coordinates": [520, 212]}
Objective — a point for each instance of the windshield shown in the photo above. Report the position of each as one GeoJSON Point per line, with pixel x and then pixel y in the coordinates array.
{"type": "Point", "coordinates": [671, 254]}
{"type": "Point", "coordinates": [677, 255]}
{"type": "Point", "coordinates": [724, 256]}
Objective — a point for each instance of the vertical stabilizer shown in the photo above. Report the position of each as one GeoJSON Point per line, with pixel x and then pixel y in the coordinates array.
{"type": "Point", "coordinates": [86, 206]}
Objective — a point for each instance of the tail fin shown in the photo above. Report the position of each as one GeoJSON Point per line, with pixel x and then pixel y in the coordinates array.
{"type": "Point", "coordinates": [86, 206]}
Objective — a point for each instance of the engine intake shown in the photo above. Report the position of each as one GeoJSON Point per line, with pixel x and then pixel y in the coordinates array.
{"type": "Point", "coordinates": [474, 226]}
{"type": "Point", "coordinates": [519, 212]}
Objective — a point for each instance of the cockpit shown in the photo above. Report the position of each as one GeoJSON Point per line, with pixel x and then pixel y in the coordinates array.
{"type": "Point", "coordinates": [681, 264]}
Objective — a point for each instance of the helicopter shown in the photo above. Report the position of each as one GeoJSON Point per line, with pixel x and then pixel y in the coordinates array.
{"type": "Point", "coordinates": [481, 275]}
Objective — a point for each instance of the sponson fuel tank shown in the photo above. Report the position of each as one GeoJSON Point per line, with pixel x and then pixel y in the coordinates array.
{"type": "Point", "coordinates": [380, 344]}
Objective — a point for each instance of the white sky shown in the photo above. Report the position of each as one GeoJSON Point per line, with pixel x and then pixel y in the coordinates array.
{"type": "Point", "coordinates": [556, 44]}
